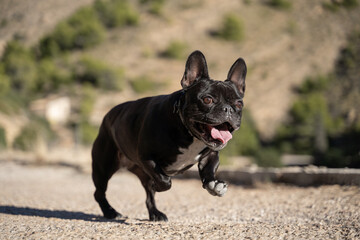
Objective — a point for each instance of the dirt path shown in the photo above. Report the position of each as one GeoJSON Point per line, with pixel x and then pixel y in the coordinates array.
{"type": "Point", "coordinates": [57, 203]}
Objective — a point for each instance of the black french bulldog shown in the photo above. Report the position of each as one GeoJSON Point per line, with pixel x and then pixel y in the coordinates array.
{"type": "Point", "coordinates": [158, 137]}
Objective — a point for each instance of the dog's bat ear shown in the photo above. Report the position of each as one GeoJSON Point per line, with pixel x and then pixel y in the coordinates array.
{"type": "Point", "coordinates": [237, 75]}
{"type": "Point", "coordinates": [195, 69]}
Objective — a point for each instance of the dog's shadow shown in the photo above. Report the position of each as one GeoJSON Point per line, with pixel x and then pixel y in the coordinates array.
{"type": "Point", "coordinates": [60, 214]}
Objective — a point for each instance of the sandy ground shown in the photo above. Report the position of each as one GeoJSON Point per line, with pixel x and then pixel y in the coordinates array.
{"type": "Point", "coordinates": [48, 202]}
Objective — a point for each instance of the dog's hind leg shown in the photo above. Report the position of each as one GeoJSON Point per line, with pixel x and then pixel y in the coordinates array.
{"type": "Point", "coordinates": [105, 163]}
{"type": "Point", "coordinates": [147, 182]}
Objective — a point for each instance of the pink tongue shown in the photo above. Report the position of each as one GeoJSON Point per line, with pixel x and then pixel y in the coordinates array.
{"type": "Point", "coordinates": [223, 135]}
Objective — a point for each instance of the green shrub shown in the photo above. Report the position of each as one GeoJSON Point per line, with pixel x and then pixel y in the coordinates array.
{"type": "Point", "coordinates": [154, 6]}
{"type": "Point", "coordinates": [144, 84]}
{"type": "Point", "coordinates": [330, 6]}
{"type": "Point", "coordinates": [27, 139]}
{"type": "Point", "coordinates": [335, 6]}
{"type": "Point", "coordinates": [280, 4]}
{"type": "Point", "coordinates": [97, 73]}
{"type": "Point", "coordinates": [247, 2]}
{"type": "Point", "coordinates": [291, 27]}
{"type": "Point", "coordinates": [232, 28]}
{"type": "Point", "coordinates": [4, 81]}
{"type": "Point", "coordinates": [325, 120]}
{"type": "Point", "coordinates": [52, 76]}
{"type": "Point", "coordinates": [82, 30]}
{"type": "Point", "coordinates": [88, 97]}
{"type": "Point", "coordinates": [350, 3]}
{"type": "Point", "coordinates": [116, 13]}
{"type": "Point", "coordinates": [310, 119]}
{"type": "Point", "coordinates": [245, 141]}
{"type": "Point", "coordinates": [344, 92]}
{"type": "Point", "coordinates": [12, 102]}
{"type": "Point", "coordinates": [315, 84]}
{"type": "Point", "coordinates": [20, 66]}
{"type": "Point", "coordinates": [88, 132]}
{"type": "Point", "coordinates": [31, 133]}
{"type": "Point", "coordinates": [268, 157]}
{"type": "Point", "coordinates": [191, 4]}
{"type": "Point", "coordinates": [3, 143]}
{"type": "Point", "coordinates": [175, 50]}
{"type": "Point", "coordinates": [3, 23]}
{"type": "Point", "coordinates": [49, 47]}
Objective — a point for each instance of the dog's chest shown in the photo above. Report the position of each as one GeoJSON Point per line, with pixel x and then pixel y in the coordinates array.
{"type": "Point", "coordinates": [187, 157]}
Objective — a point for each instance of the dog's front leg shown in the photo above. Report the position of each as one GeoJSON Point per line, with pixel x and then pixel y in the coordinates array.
{"type": "Point", "coordinates": [207, 170]}
{"type": "Point", "coordinates": [161, 182]}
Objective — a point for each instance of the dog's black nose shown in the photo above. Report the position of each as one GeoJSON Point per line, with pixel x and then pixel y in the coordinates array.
{"type": "Point", "coordinates": [228, 109]}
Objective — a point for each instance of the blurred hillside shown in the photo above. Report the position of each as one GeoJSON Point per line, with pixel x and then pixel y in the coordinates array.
{"type": "Point", "coordinates": [145, 46]}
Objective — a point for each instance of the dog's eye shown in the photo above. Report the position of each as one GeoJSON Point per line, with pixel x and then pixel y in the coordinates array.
{"type": "Point", "coordinates": [239, 104]}
{"type": "Point", "coordinates": [207, 100]}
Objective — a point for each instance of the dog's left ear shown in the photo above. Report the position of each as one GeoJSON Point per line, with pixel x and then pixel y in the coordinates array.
{"type": "Point", "coordinates": [195, 69]}
{"type": "Point", "coordinates": [237, 75]}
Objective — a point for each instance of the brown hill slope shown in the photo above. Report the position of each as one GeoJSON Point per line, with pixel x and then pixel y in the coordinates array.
{"type": "Point", "coordinates": [281, 47]}
{"type": "Point", "coordinates": [32, 18]}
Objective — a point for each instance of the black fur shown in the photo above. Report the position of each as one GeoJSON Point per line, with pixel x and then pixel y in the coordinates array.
{"type": "Point", "coordinates": [148, 135]}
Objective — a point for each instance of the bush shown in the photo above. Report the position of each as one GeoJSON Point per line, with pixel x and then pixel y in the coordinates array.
{"type": "Point", "coordinates": [247, 2]}
{"type": "Point", "coordinates": [280, 4]}
{"type": "Point", "coordinates": [245, 141]}
{"type": "Point", "coordinates": [175, 50]}
{"type": "Point", "coordinates": [87, 101]}
{"type": "Point", "coordinates": [2, 138]}
{"type": "Point", "coordinates": [315, 84]}
{"type": "Point", "coordinates": [343, 94]}
{"type": "Point", "coordinates": [155, 6]}
{"type": "Point", "coordinates": [325, 120]}
{"type": "Point", "coordinates": [20, 67]}
{"type": "Point", "coordinates": [82, 30]}
{"type": "Point", "coordinates": [49, 47]}
{"type": "Point", "coordinates": [310, 121]}
{"type": "Point", "coordinates": [4, 81]}
{"type": "Point", "coordinates": [51, 76]}
{"type": "Point", "coordinates": [232, 28]}
{"type": "Point", "coordinates": [350, 3]}
{"type": "Point", "coordinates": [12, 102]}
{"type": "Point", "coordinates": [268, 157]}
{"type": "Point", "coordinates": [3, 23]}
{"type": "Point", "coordinates": [88, 132]}
{"type": "Point", "coordinates": [89, 70]}
{"type": "Point", "coordinates": [144, 84]}
{"type": "Point", "coordinates": [31, 133]}
{"type": "Point", "coordinates": [334, 6]}
{"type": "Point", "coordinates": [116, 13]}
{"type": "Point", "coordinates": [27, 139]}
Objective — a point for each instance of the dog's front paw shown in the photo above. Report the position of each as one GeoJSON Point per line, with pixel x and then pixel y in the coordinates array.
{"type": "Point", "coordinates": [216, 188]}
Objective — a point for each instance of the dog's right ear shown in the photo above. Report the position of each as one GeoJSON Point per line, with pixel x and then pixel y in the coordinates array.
{"type": "Point", "coordinates": [195, 69]}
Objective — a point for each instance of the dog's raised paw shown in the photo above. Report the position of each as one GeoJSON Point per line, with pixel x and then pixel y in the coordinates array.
{"type": "Point", "coordinates": [216, 188]}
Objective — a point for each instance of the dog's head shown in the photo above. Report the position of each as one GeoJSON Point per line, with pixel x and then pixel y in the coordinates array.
{"type": "Point", "coordinates": [211, 110]}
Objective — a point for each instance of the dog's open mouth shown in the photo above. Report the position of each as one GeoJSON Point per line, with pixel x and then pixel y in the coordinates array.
{"type": "Point", "coordinates": [219, 134]}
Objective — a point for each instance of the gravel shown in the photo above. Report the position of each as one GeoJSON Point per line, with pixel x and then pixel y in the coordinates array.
{"type": "Point", "coordinates": [52, 202]}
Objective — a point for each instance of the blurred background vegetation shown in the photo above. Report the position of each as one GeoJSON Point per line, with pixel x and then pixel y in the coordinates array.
{"type": "Point", "coordinates": [303, 79]}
